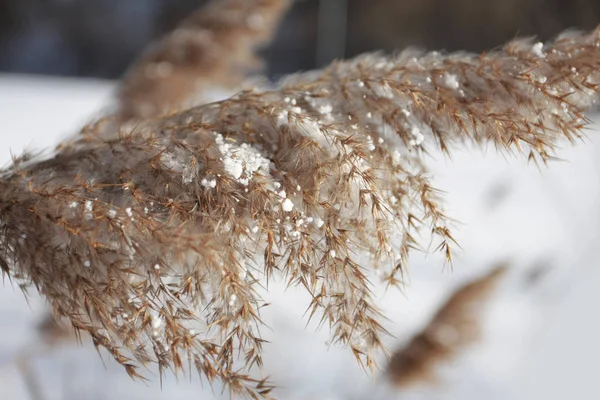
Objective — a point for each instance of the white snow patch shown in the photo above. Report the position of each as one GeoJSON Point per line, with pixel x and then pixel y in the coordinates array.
{"type": "Point", "coordinates": [537, 50]}
{"type": "Point", "coordinates": [241, 162]}
{"type": "Point", "coordinates": [287, 205]}
{"type": "Point", "coordinates": [451, 81]}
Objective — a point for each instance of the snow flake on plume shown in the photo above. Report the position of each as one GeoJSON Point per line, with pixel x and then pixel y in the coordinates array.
{"type": "Point", "coordinates": [451, 81]}
{"type": "Point", "coordinates": [325, 109]}
{"type": "Point", "coordinates": [370, 144]}
{"type": "Point", "coordinates": [89, 208]}
{"type": "Point", "coordinates": [239, 161]}
{"type": "Point", "coordinates": [287, 205]}
{"type": "Point", "coordinates": [537, 50]}
{"type": "Point", "coordinates": [174, 163]}
{"type": "Point", "coordinates": [322, 105]}
{"type": "Point", "coordinates": [418, 137]}
{"type": "Point", "coordinates": [209, 183]}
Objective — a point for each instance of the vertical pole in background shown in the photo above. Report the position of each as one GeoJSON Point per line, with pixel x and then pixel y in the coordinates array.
{"type": "Point", "coordinates": [331, 34]}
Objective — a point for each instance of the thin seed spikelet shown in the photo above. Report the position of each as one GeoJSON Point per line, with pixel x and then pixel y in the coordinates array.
{"type": "Point", "coordinates": [454, 327]}
{"type": "Point", "coordinates": [155, 239]}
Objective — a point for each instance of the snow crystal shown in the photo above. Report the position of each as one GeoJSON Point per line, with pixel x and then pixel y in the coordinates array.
{"type": "Point", "coordinates": [451, 81]}
{"type": "Point", "coordinates": [89, 206]}
{"type": "Point", "coordinates": [232, 299]}
{"type": "Point", "coordinates": [325, 109]}
{"type": "Point", "coordinates": [175, 163]}
{"type": "Point", "coordinates": [537, 50]}
{"type": "Point", "coordinates": [287, 205]}
{"type": "Point", "coordinates": [240, 160]}
{"type": "Point", "coordinates": [417, 136]}
{"type": "Point", "coordinates": [156, 322]}
{"type": "Point", "coordinates": [188, 175]}
{"type": "Point", "coordinates": [233, 167]}
{"type": "Point", "coordinates": [209, 184]}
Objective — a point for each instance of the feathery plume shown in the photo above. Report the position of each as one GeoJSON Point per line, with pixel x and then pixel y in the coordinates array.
{"type": "Point", "coordinates": [154, 240]}
{"type": "Point", "coordinates": [212, 49]}
{"type": "Point", "coordinates": [453, 328]}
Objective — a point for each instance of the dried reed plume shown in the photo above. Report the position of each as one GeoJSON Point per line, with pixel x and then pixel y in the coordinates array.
{"type": "Point", "coordinates": [212, 49]}
{"type": "Point", "coordinates": [155, 239]}
{"type": "Point", "coordinates": [453, 328]}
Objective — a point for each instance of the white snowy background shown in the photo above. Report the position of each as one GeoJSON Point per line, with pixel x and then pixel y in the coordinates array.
{"type": "Point", "coordinates": [541, 342]}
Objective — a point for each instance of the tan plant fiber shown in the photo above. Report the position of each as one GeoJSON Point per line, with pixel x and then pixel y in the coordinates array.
{"type": "Point", "coordinates": [154, 239]}
{"type": "Point", "coordinates": [212, 49]}
{"type": "Point", "coordinates": [454, 327]}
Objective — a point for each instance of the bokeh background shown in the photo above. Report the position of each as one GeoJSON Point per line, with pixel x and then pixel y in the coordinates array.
{"type": "Point", "coordinates": [99, 38]}
{"type": "Point", "coordinates": [58, 63]}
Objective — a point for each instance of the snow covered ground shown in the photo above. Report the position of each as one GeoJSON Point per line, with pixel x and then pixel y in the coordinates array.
{"type": "Point", "coordinates": [540, 342]}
